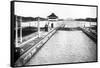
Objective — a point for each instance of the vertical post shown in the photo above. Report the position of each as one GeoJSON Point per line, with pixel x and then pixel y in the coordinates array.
{"type": "Point", "coordinates": [29, 24]}
{"type": "Point", "coordinates": [57, 23]}
{"type": "Point", "coordinates": [48, 24]}
{"type": "Point", "coordinates": [81, 24]}
{"type": "Point", "coordinates": [16, 33]}
{"type": "Point", "coordinates": [20, 30]}
{"type": "Point", "coordinates": [84, 24]}
{"type": "Point", "coordinates": [90, 26]}
{"type": "Point", "coordinates": [38, 27]}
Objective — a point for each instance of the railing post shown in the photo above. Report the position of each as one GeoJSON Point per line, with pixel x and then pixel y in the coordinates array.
{"type": "Point", "coordinates": [48, 23]}
{"type": "Point", "coordinates": [20, 30]}
{"type": "Point", "coordinates": [38, 27]}
{"type": "Point", "coordinates": [16, 30]}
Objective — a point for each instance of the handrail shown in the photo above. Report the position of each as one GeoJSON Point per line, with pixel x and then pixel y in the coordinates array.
{"type": "Point", "coordinates": [28, 52]}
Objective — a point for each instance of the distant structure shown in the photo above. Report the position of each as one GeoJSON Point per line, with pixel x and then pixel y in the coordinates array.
{"type": "Point", "coordinates": [52, 18]}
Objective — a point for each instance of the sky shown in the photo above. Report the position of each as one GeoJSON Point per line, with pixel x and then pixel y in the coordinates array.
{"type": "Point", "coordinates": [62, 11]}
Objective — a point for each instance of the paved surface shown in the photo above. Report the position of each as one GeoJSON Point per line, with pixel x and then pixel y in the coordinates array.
{"type": "Point", "coordinates": [66, 47]}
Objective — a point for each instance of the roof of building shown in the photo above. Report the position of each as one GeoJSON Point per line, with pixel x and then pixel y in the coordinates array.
{"type": "Point", "coordinates": [52, 16]}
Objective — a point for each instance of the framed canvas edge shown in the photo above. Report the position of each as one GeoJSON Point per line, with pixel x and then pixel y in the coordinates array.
{"type": "Point", "coordinates": [12, 31]}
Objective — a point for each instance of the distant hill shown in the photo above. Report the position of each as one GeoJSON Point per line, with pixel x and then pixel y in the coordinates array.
{"type": "Point", "coordinates": [27, 19]}
{"type": "Point", "coordinates": [40, 18]}
{"type": "Point", "coordinates": [87, 19]}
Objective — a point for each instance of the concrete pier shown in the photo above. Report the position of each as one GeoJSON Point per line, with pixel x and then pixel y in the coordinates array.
{"type": "Point", "coordinates": [66, 47]}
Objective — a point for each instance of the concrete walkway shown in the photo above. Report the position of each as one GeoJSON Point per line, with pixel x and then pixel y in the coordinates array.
{"type": "Point", "coordinates": [66, 47]}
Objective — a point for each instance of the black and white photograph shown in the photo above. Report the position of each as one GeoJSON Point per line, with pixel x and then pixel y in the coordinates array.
{"type": "Point", "coordinates": [44, 33]}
